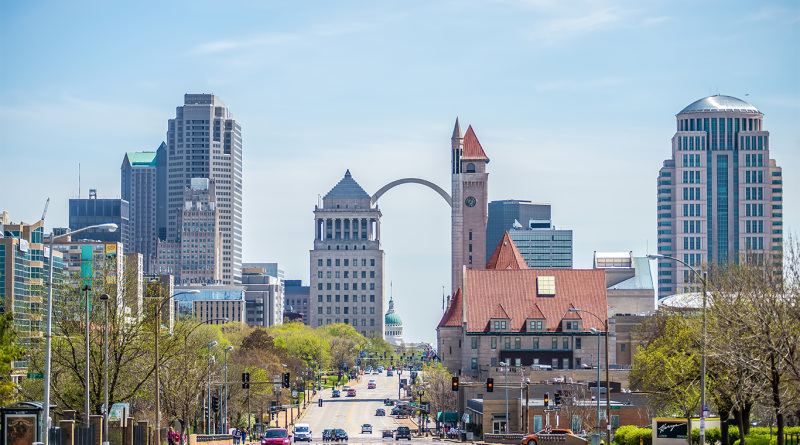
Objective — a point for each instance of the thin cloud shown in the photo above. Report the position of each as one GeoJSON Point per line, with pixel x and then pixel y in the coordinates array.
{"type": "Point", "coordinates": [565, 27]}
{"type": "Point", "coordinates": [228, 45]}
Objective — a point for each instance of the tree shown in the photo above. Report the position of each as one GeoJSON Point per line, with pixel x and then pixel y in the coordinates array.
{"type": "Point", "coordinates": [438, 392]}
{"type": "Point", "coordinates": [9, 351]}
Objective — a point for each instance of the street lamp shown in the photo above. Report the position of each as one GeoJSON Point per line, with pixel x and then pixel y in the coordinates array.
{"type": "Point", "coordinates": [504, 365]}
{"type": "Point", "coordinates": [48, 345]}
{"type": "Point", "coordinates": [86, 289]}
{"type": "Point", "coordinates": [608, 384]}
{"type": "Point", "coordinates": [208, 394]}
{"type": "Point", "coordinates": [703, 279]}
{"type": "Point", "coordinates": [104, 298]}
{"type": "Point", "coordinates": [225, 420]}
{"type": "Point", "coordinates": [157, 321]}
{"type": "Point", "coordinates": [421, 393]}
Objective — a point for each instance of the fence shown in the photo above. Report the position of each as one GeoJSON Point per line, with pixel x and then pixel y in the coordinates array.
{"type": "Point", "coordinates": [55, 436]}
{"type": "Point", "coordinates": [791, 439]}
{"type": "Point", "coordinates": [139, 434]}
{"type": "Point", "coordinates": [84, 436]}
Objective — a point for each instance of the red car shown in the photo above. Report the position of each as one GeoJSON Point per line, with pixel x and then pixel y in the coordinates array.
{"type": "Point", "coordinates": [371, 385]}
{"type": "Point", "coordinates": [276, 436]}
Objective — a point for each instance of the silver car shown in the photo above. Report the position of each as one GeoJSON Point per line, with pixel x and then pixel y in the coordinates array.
{"type": "Point", "coordinates": [366, 428]}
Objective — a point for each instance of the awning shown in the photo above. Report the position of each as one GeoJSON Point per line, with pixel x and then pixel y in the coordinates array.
{"type": "Point", "coordinates": [448, 416]}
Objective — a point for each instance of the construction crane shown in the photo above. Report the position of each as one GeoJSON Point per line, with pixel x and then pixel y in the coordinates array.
{"type": "Point", "coordinates": [47, 204]}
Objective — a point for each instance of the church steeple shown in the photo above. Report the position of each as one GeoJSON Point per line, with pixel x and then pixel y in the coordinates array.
{"type": "Point", "coordinates": [457, 131]}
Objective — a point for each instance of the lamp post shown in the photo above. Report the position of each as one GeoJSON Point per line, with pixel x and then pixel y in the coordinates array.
{"type": "Point", "coordinates": [208, 394]}
{"type": "Point", "coordinates": [157, 321]}
{"type": "Point", "coordinates": [86, 289]}
{"type": "Point", "coordinates": [225, 420]}
{"type": "Point", "coordinates": [703, 279]}
{"type": "Point", "coordinates": [421, 393]}
{"type": "Point", "coordinates": [504, 365]}
{"type": "Point", "coordinates": [608, 384]}
{"type": "Point", "coordinates": [48, 337]}
{"type": "Point", "coordinates": [104, 298]}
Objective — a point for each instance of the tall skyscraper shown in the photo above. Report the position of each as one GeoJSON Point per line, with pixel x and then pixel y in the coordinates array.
{"type": "Point", "coordinates": [140, 174]}
{"type": "Point", "coordinates": [530, 227]}
{"type": "Point", "coordinates": [347, 262]}
{"type": "Point", "coordinates": [204, 141]}
{"type": "Point", "coordinates": [470, 197]}
{"type": "Point", "coordinates": [720, 194]}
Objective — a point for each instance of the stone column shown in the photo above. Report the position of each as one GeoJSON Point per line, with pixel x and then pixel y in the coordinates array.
{"type": "Point", "coordinates": [97, 423]}
{"type": "Point", "coordinates": [68, 430]}
{"type": "Point", "coordinates": [128, 435]}
{"type": "Point", "coordinates": [69, 414]}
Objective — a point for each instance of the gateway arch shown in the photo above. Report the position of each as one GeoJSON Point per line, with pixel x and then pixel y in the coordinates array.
{"type": "Point", "coordinates": [428, 184]}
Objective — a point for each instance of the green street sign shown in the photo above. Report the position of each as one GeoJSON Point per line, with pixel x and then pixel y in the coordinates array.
{"type": "Point", "coordinates": [35, 375]}
{"type": "Point", "coordinates": [614, 407]}
{"type": "Point", "coordinates": [252, 412]}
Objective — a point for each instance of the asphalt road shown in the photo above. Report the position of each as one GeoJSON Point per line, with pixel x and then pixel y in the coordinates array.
{"type": "Point", "coordinates": [349, 413]}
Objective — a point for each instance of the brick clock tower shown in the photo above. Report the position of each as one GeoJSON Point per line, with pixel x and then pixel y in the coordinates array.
{"type": "Point", "coordinates": [470, 203]}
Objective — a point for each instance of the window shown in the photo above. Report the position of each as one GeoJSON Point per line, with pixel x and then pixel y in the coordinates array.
{"type": "Point", "coordinates": [346, 273]}
{"type": "Point", "coordinates": [372, 311]}
{"type": "Point", "coordinates": [319, 262]}
{"type": "Point", "coordinates": [474, 343]}
{"type": "Point", "coordinates": [517, 343]}
{"type": "Point", "coordinates": [319, 298]}
{"type": "Point", "coordinates": [622, 346]}
{"type": "Point", "coordinates": [319, 286]}
{"type": "Point", "coordinates": [546, 286]}
{"type": "Point", "coordinates": [535, 342]}
{"type": "Point", "coordinates": [503, 325]}
{"type": "Point", "coordinates": [338, 298]}
{"type": "Point", "coordinates": [338, 311]}
{"type": "Point", "coordinates": [494, 342]}
{"type": "Point", "coordinates": [372, 274]}
{"type": "Point", "coordinates": [569, 325]}
{"type": "Point", "coordinates": [565, 343]}
{"type": "Point", "coordinates": [337, 262]}
{"type": "Point", "coordinates": [329, 274]}
{"type": "Point", "coordinates": [496, 325]}
{"type": "Point", "coordinates": [555, 343]}
{"type": "Point", "coordinates": [337, 286]}
{"type": "Point", "coordinates": [536, 326]}
{"type": "Point", "coordinates": [329, 262]}
{"type": "Point", "coordinates": [372, 322]}
{"type": "Point", "coordinates": [577, 343]}
{"type": "Point", "coordinates": [364, 262]}
{"type": "Point", "coordinates": [371, 286]}
{"type": "Point", "coordinates": [328, 298]}
{"type": "Point", "coordinates": [474, 363]}
{"type": "Point", "coordinates": [346, 263]}
{"type": "Point", "coordinates": [554, 363]}
{"type": "Point", "coordinates": [372, 298]}
{"type": "Point", "coordinates": [507, 343]}
{"type": "Point", "coordinates": [328, 310]}
{"type": "Point", "coordinates": [470, 168]}
{"type": "Point", "coordinates": [372, 262]}
{"type": "Point", "coordinates": [319, 310]}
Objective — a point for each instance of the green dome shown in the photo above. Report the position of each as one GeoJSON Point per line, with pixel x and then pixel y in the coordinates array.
{"type": "Point", "coordinates": [393, 319]}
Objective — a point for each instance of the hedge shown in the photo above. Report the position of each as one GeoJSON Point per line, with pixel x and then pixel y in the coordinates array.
{"type": "Point", "coordinates": [630, 435]}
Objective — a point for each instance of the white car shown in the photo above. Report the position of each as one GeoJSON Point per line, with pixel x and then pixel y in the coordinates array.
{"type": "Point", "coordinates": [366, 428]}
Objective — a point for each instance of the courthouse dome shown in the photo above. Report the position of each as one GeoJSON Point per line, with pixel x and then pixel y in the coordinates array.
{"type": "Point", "coordinates": [719, 103]}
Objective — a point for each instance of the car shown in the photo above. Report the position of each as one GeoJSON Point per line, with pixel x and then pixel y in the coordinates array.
{"type": "Point", "coordinates": [366, 428]}
{"type": "Point", "coordinates": [380, 412]}
{"type": "Point", "coordinates": [276, 436]}
{"type": "Point", "coordinates": [533, 439]}
{"type": "Point", "coordinates": [351, 392]}
{"type": "Point", "coordinates": [389, 373]}
{"type": "Point", "coordinates": [395, 411]}
{"type": "Point", "coordinates": [538, 367]}
{"type": "Point", "coordinates": [371, 385]}
{"type": "Point", "coordinates": [326, 435]}
{"type": "Point", "coordinates": [345, 388]}
{"type": "Point", "coordinates": [387, 433]}
{"type": "Point", "coordinates": [403, 432]}
{"type": "Point", "coordinates": [339, 434]}
{"type": "Point", "coordinates": [302, 432]}
{"type": "Point", "coordinates": [336, 393]}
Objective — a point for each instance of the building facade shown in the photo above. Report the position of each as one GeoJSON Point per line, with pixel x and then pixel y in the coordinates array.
{"type": "Point", "coordinates": [92, 211]}
{"type": "Point", "coordinates": [394, 326]}
{"type": "Point", "coordinates": [204, 141]}
{"type": "Point", "coordinates": [719, 194]}
{"type": "Point", "coordinates": [212, 305]}
{"type": "Point", "coordinates": [264, 296]}
{"type": "Point", "coordinates": [297, 297]}
{"type": "Point", "coordinates": [347, 263]}
{"type": "Point", "coordinates": [24, 269]}
{"type": "Point", "coordinates": [140, 173]}
{"type": "Point", "coordinates": [470, 200]}
{"type": "Point", "coordinates": [195, 256]}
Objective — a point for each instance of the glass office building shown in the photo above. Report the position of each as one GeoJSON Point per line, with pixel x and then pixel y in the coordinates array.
{"type": "Point", "coordinates": [92, 211]}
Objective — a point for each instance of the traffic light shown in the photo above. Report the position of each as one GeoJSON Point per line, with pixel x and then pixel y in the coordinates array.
{"type": "Point", "coordinates": [490, 385]}
{"type": "Point", "coordinates": [558, 398]}
{"type": "Point", "coordinates": [206, 412]}
{"type": "Point", "coordinates": [546, 399]}
{"type": "Point", "coordinates": [455, 384]}
{"type": "Point", "coordinates": [286, 380]}
{"type": "Point", "coordinates": [245, 380]}
{"type": "Point", "coordinates": [215, 403]}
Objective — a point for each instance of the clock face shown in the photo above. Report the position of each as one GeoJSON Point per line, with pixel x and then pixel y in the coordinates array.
{"type": "Point", "coordinates": [470, 201]}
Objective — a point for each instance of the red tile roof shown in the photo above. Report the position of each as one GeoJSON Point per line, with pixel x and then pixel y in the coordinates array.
{"type": "Point", "coordinates": [499, 312]}
{"type": "Point", "coordinates": [452, 316]}
{"type": "Point", "coordinates": [506, 255]}
{"type": "Point", "coordinates": [572, 314]}
{"type": "Point", "coordinates": [535, 312]}
{"type": "Point", "coordinates": [515, 290]}
{"type": "Point", "coordinates": [472, 148]}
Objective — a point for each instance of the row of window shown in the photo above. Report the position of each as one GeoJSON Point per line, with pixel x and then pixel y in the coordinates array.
{"type": "Point", "coordinates": [337, 298]}
{"type": "Point", "coordinates": [347, 274]}
{"type": "Point", "coordinates": [347, 321]}
{"type": "Point", "coordinates": [337, 286]}
{"type": "Point", "coordinates": [346, 310]}
{"type": "Point", "coordinates": [338, 262]}
{"type": "Point", "coordinates": [517, 342]}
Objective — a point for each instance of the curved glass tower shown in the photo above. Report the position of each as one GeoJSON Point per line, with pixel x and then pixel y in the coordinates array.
{"type": "Point", "coordinates": [720, 193]}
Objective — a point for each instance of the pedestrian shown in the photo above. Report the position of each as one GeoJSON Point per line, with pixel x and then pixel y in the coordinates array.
{"type": "Point", "coordinates": [244, 436]}
{"type": "Point", "coordinates": [171, 436]}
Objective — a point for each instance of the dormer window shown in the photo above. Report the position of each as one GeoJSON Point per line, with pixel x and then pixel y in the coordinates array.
{"type": "Point", "coordinates": [499, 325]}
{"type": "Point", "coordinates": [535, 325]}
{"type": "Point", "coordinates": [572, 325]}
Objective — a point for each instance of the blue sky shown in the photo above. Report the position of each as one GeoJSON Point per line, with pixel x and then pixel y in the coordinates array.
{"type": "Point", "coordinates": [573, 101]}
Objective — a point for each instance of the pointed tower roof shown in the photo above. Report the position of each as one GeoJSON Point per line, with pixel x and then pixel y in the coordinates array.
{"type": "Point", "coordinates": [472, 147]}
{"type": "Point", "coordinates": [500, 312]}
{"type": "Point", "coordinates": [457, 131]}
{"type": "Point", "coordinates": [347, 188]}
{"type": "Point", "coordinates": [535, 312]}
{"type": "Point", "coordinates": [506, 256]}
{"type": "Point", "coordinates": [452, 317]}
{"type": "Point", "coordinates": [572, 314]}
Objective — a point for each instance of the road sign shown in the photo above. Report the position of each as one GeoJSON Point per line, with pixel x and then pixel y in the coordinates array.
{"type": "Point", "coordinates": [553, 410]}
{"type": "Point", "coordinates": [35, 375]}
{"type": "Point", "coordinates": [252, 412]}
{"type": "Point", "coordinates": [294, 394]}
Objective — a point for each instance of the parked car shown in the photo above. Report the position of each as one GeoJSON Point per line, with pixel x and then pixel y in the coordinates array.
{"type": "Point", "coordinates": [336, 393]}
{"type": "Point", "coordinates": [380, 412]}
{"type": "Point", "coordinates": [533, 439]}
{"type": "Point", "coordinates": [302, 432]}
{"type": "Point", "coordinates": [276, 436]}
{"type": "Point", "coordinates": [339, 435]}
{"type": "Point", "coordinates": [351, 392]}
{"type": "Point", "coordinates": [387, 433]}
{"type": "Point", "coordinates": [327, 435]}
{"type": "Point", "coordinates": [403, 432]}
{"type": "Point", "coordinates": [366, 428]}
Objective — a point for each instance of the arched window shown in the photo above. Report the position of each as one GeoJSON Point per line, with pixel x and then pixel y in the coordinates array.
{"type": "Point", "coordinates": [470, 168]}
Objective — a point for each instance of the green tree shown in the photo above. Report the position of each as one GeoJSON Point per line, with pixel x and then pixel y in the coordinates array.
{"type": "Point", "coordinates": [9, 352]}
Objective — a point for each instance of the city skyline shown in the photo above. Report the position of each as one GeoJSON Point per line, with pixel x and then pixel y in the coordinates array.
{"type": "Point", "coordinates": [573, 101]}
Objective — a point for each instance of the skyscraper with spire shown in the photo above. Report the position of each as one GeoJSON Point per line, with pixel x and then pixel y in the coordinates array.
{"type": "Point", "coordinates": [470, 197]}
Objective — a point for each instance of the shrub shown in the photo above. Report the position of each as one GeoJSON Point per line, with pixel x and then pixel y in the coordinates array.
{"type": "Point", "coordinates": [620, 437]}
{"type": "Point", "coordinates": [643, 434]}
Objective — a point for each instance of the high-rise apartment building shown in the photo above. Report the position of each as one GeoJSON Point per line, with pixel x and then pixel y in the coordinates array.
{"type": "Point", "coordinates": [720, 194]}
{"type": "Point", "coordinates": [530, 226]}
{"type": "Point", "coordinates": [297, 297]}
{"type": "Point", "coordinates": [204, 141]}
{"type": "Point", "coordinates": [92, 211]}
{"type": "Point", "coordinates": [141, 182]}
{"type": "Point", "coordinates": [263, 295]}
{"type": "Point", "coordinates": [195, 256]}
{"type": "Point", "coordinates": [347, 262]}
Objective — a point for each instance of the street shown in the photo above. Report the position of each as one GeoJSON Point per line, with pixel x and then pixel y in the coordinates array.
{"type": "Point", "coordinates": [349, 413]}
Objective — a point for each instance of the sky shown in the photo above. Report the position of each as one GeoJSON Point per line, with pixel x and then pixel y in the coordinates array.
{"type": "Point", "coordinates": [574, 102]}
